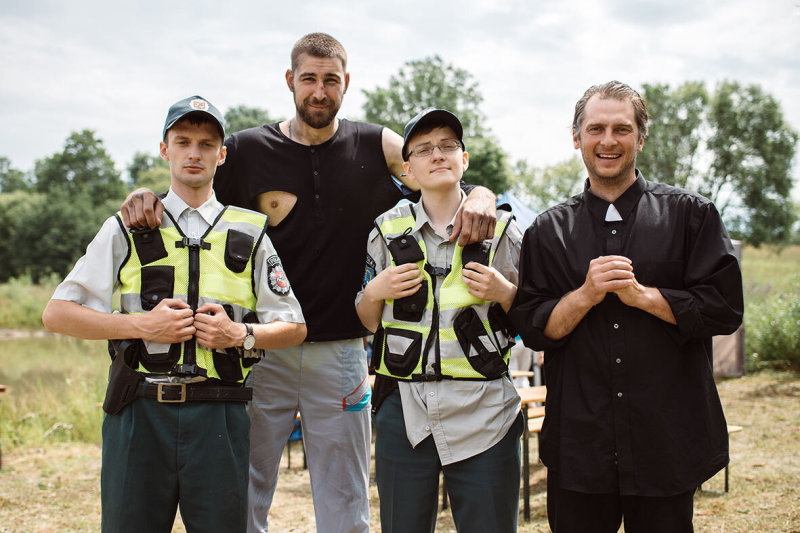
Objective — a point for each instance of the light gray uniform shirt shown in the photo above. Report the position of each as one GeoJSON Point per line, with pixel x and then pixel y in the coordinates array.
{"type": "Point", "coordinates": [465, 417]}
{"type": "Point", "coordinates": [94, 277]}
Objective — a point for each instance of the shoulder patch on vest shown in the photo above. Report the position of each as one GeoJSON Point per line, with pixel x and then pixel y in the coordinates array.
{"type": "Point", "coordinates": [369, 270]}
{"type": "Point", "coordinates": [278, 282]}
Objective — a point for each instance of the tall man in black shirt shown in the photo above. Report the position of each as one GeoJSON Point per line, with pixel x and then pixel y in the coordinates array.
{"type": "Point", "coordinates": [623, 286]}
{"type": "Point", "coordinates": [322, 181]}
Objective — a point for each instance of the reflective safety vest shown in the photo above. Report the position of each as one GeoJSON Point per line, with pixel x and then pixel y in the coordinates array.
{"type": "Point", "coordinates": [164, 263]}
{"type": "Point", "coordinates": [474, 336]}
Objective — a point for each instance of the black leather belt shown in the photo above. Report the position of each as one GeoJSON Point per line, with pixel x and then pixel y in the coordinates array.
{"type": "Point", "coordinates": [183, 392]}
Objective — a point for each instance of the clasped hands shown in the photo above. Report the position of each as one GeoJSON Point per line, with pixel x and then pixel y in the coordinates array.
{"type": "Point", "coordinates": [400, 281]}
{"type": "Point", "coordinates": [612, 273]}
{"type": "Point", "coordinates": [172, 321]}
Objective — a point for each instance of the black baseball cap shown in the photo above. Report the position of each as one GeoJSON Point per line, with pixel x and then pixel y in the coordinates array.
{"type": "Point", "coordinates": [193, 104]}
{"type": "Point", "coordinates": [426, 116]}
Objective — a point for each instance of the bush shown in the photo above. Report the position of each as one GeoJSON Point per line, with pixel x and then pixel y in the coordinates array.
{"type": "Point", "coordinates": [773, 333]}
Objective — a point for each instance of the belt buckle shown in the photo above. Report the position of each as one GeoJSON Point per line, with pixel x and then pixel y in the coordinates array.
{"type": "Point", "coordinates": [161, 388]}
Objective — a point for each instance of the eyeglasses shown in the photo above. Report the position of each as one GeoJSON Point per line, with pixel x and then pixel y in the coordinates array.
{"type": "Point", "coordinates": [446, 146]}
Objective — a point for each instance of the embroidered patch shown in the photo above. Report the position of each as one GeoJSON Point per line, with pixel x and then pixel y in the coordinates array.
{"type": "Point", "coordinates": [369, 270]}
{"type": "Point", "coordinates": [198, 104]}
{"type": "Point", "coordinates": [278, 282]}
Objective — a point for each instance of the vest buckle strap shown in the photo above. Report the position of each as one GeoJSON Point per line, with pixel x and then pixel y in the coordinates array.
{"type": "Point", "coordinates": [188, 242]}
{"type": "Point", "coordinates": [171, 392]}
{"type": "Point", "coordinates": [437, 271]}
{"type": "Point", "coordinates": [426, 377]}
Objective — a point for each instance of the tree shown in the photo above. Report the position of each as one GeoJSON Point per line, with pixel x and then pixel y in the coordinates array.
{"type": "Point", "coordinates": [753, 149]}
{"type": "Point", "coordinates": [75, 190]}
{"type": "Point", "coordinates": [674, 136]}
{"type": "Point", "coordinates": [242, 117]}
{"type": "Point", "coordinates": [545, 187]}
{"type": "Point", "coordinates": [732, 146]}
{"type": "Point", "coordinates": [488, 165]}
{"type": "Point", "coordinates": [156, 179]}
{"type": "Point", "coordinates": [422, 83]}
{"type": "Point", "coordinates": [13, 207]}
{"type": "Point", "coordinates": [431, 82]}
{"type": "Point", "coordinates": [53, 234]}
{"type": "Point", "coordinates": [11, 179]}
{"type": "Point", "coordinates": [143, 162]}
{"type": "Point", "coordinates": [150, 171]}
{"type": "Point", "coordinates": [82, 168]}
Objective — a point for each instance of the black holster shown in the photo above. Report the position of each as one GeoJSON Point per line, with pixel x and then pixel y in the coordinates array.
{"type": "Point", "coordinates": [123, 386]}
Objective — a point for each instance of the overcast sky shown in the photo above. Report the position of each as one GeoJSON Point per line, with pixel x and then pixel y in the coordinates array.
{"type": "Point", "coordinates": [116, 67]}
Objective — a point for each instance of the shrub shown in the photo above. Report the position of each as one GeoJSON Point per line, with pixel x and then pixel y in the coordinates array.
{"type": "Point", "coordinates": [773, 333]}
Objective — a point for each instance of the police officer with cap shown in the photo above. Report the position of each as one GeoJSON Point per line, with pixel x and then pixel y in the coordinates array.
{"type": "Point", "coordinates": [196, 309]}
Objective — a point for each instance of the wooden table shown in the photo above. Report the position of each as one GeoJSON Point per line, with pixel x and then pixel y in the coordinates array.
{"type": "Point", "coordinates": [529, 396]}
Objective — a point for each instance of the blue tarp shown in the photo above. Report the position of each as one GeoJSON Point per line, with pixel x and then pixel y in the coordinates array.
{"type": "Point", "coordinates": [522, 212]}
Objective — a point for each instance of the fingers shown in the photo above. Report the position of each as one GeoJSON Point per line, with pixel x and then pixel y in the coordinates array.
{"type": "Point", "coordinates": [611, 261]}
{"type": "Point", "coordinates": [456, 226]}
{"type": "Point", "coordinates": [142, 209]}
{"type": "Point", "coordinates": [210, 308]}
{"type": "Point", "coordinates": [173, 303]}
{"type": "Point", "coordinates": [481, 228]}
{"type": "Point", "coordinates": [476, 267]}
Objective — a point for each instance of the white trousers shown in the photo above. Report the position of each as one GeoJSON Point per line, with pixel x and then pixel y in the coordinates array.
{"type": "Point", "coordinates": [327, 383]}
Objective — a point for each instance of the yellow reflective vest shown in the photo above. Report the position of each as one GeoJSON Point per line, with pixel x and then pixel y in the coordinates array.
{"type": "Point", "coordinates": [218, 268]}
{"type": "Point", "coordinates": [474, 336]}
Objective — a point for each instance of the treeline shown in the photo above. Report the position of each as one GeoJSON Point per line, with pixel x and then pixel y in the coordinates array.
{"type": "Point", "coordinates": [731, 144]}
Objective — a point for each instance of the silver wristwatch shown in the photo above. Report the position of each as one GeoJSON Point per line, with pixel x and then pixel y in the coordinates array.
{"type": "Point", "coordinates": [249, 339]}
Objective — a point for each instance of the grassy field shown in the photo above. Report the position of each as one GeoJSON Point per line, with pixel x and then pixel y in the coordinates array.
{"type": "Point", "coordinates": [50, 429]}
{"type": "Point", "coordinates": [54, 486]}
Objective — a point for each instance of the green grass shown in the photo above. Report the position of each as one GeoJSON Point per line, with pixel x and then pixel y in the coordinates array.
{"type": "Point", "coordinates": [768, 273]}
{"type": "Point", "coordinates": [56, 387]}
{"type": "Point", "coordinates": [21, 303]}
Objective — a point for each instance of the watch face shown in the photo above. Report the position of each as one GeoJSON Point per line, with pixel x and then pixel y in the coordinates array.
{"type": "Point", "coordinates": [249, 339]}
{"type": "Point", "coordinates": [249, 342]}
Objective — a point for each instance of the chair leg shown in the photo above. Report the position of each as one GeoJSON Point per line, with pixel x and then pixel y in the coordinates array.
{"type": "Point", "coordinates": [727, 485]}
{"type": "Point", "coordinates": [444, 493]}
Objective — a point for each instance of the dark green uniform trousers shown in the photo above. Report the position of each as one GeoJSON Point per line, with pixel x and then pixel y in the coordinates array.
{"type": "Point", "coordinates": [483, 490]}
{"type": "Point", "coordinates": [157, 456]}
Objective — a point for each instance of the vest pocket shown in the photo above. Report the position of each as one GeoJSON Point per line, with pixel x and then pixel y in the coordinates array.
{"type": "Point", "coordinates": [157, 283]}
{"type": "Point", "coordinates": [412, 307]}
{"type": "Point", "coordinates": [228, 364]}
{"type": "Point", "coordinates": [238, 248]}
{"type": "Point", "coordinates": [403, 351]}
{"type": "Point", "coordinates": [149, 245]}
{"type": "Point", "coordinates": [153, 359]}
{"type": "Point", "coordinates": [483, 356]}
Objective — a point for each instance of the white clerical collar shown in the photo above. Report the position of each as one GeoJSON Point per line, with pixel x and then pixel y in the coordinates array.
{"type": "Point", "coordinates": [612, 215]}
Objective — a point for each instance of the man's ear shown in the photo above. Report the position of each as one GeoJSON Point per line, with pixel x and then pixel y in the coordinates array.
{"type": "Point", "coordinates": [346, 81]}
{"type": "Point", "coordinates": [290, 79]}
{"type": "Point", "coordinates": [162, 150]}
{"type": "Point", "coordinates": [407, 170]}
{"type": "Point", "coordinates": [222, 155]}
